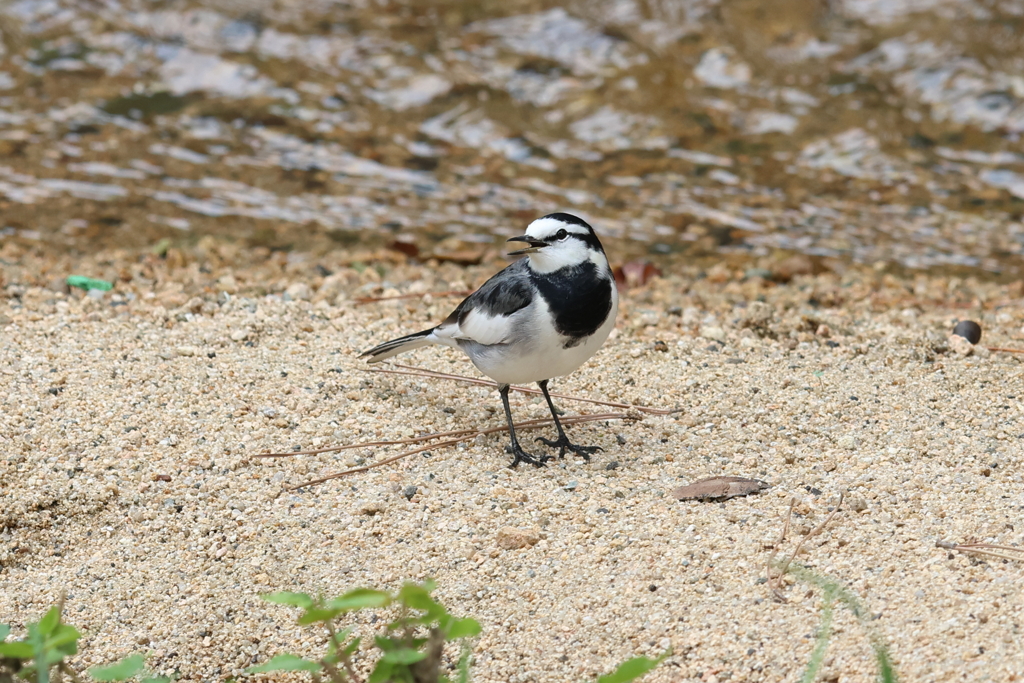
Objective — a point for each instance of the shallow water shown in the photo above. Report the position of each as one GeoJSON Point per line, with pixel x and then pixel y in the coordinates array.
{"type": "Point", "coordinates": [872, 131]}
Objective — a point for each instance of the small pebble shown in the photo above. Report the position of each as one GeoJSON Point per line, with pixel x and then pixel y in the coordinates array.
{"type": "Point", "coordinates": [511, 538]}
{"type": "Point", "coordinates": [960, 345]}
{"type": "Point", "coordinates": [969, 330]}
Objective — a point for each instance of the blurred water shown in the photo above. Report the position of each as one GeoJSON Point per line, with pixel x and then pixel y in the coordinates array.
{"type": "Point", "coordinates": [860, 130]}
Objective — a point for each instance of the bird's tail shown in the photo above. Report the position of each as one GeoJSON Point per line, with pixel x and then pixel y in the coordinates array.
{"type": "Point", "coordinates": [397, 346]}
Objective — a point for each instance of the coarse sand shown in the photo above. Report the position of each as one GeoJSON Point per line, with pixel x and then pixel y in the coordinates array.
{"type": "Point", "coordinates": [130, 421]}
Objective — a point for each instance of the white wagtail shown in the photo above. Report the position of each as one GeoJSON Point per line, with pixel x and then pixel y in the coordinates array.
{"type": "Point", "coordinates": [541, 317]}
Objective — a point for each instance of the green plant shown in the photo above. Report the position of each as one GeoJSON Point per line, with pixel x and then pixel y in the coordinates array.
{"type": "Point", "coordinates": [411, 646]}
{"type": "Point", "coordinates": [46, 644]}
{"type": "Point", "coordinates": [39, 656]}
{"type": "Point", "coordinates": [632, 669]}
{"type": "Point", "coordinates": [833, 592]}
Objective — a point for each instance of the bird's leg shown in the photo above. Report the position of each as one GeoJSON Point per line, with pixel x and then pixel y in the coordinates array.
{"type": "Point", "coordinates": [518, 454]}
{"type": "Point", "coordinates": [562, 442]}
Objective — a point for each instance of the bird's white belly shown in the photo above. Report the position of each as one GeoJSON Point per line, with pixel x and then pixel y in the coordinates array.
{"type": "Point", "coordinates": [543, 354]}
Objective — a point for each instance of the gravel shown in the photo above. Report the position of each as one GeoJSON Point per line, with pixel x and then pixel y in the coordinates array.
{"type": "Point", "coordinates": [128, 477]}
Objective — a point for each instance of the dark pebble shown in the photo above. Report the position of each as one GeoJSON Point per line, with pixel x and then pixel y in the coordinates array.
{"type": "Point", "coordinates": [969, 330]}
{"type": "Point", "coordinates": [652, 588]}
{"type": "Point", "coordinates": [613, 465]}
{"type": "Point", "coordinates": [409, 492]}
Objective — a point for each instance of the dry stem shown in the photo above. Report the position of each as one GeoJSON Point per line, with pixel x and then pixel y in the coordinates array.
{"type": "Point", "coordinates": [985, 550]}
{"type": "Point", "coordinates": [775, 583]}
{"type": "Point", "coordinates": [466, 436]}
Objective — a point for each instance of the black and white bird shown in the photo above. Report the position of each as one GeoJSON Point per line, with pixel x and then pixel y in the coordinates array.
{"type": "Point", "coordinates": [539, 318]}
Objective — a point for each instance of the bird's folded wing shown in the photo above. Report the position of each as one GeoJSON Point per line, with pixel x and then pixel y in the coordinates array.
{"type": "Point", "coordinates": [489, 315]}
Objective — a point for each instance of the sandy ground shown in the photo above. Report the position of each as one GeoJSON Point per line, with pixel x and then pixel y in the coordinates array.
{"type": "Point", "coordinates": [127, 477]}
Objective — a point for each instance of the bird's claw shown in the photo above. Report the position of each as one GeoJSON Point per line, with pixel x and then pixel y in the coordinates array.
{"type": "Point", "coordinates": [519, 455]}
{"type": "Point", "coordinates": [563, 444]}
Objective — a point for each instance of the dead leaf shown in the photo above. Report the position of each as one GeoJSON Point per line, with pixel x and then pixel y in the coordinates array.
{"type": "Point", "coordinates": [719, 488]}
{"type": "Point", "coordinates": [635, 273]}
{"type": "Point", "coordinates": [405, 245]}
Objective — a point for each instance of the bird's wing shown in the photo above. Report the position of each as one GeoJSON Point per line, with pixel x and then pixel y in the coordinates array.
{"type": "Point", "coordinates": [487, 315]}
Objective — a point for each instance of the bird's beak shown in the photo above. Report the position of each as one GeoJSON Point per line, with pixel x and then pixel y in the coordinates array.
{"type": "Point", "coordinates": [535, 245]}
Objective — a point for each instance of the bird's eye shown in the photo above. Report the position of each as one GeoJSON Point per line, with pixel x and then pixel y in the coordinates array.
{"type": "Point", "coordinates": [561, 235]}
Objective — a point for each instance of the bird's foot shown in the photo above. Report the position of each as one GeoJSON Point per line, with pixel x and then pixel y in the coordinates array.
{"type": "Point", "coordinates": [563, 444]}
{"type": "Point", "coordinates": [519, 455]}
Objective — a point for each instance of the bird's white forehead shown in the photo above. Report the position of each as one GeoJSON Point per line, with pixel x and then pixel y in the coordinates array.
{"type": "Point", "coordinates": [545, 227]}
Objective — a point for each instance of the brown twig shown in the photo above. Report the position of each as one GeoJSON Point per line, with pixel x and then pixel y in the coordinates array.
{"type": "Point", "coordinates": [421, 372]}
{"type": "Point", "coordinates": [985, 549]}
{"type": "Point", "coordinates": [996, 349]}
{"type": "Point", "coordinates": [529, 424]}
{"type": "Point", "coordinates": [774, 582]}
{"type": "Point", "coordinates": [417, 439]}
{"type": "Point", "coordinates": [374, 299]}
{"type": "Point", "coordinates": [776, 590]}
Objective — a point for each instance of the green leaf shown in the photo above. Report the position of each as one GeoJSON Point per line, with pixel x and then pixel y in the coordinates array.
{"type": "Point", "coordinates": [62, 636]}
{"type": "Point", "coordinates": [351, 647]}
{"type": "Point", "coordinates": [386, 644]}
{"type": "Point", "coordinates": [418, 597]}
{"type": "Point", "coordinates": [5, 630]}
{"type": "Point", "coordinates": [467, 652]}
{"type": "Point", "coordinates": [54, 656]}
{"type": "Point", "coordinates": [403, 656]}
{"type": "Point", "coordinates": [49, 621]}
{"type": "Point", "coordinates": [817, 659]}
{"type": "Point", "coordinates": [337, 639]}
{"type": "Point", "coordinates": [381, 672]}
{"type": "Point", "coordinates": [16, 650]}
{"type": "Point", "coordinates": [360, 598]}
{"type": "Point", "coordinates": [311, 616]}
{"type": "Point", "coordinates": [162, 679]}
{"type": "Point", "coordinates": [119, 671]}
{"type": "Point", "coordinates": [288, 598]}
{"type": "Point", "coordinates": [285, 662]}
{"type": "Point", "coordinates": [632, 669]}
{"type": "Point", "coordinates": [463, 628]}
